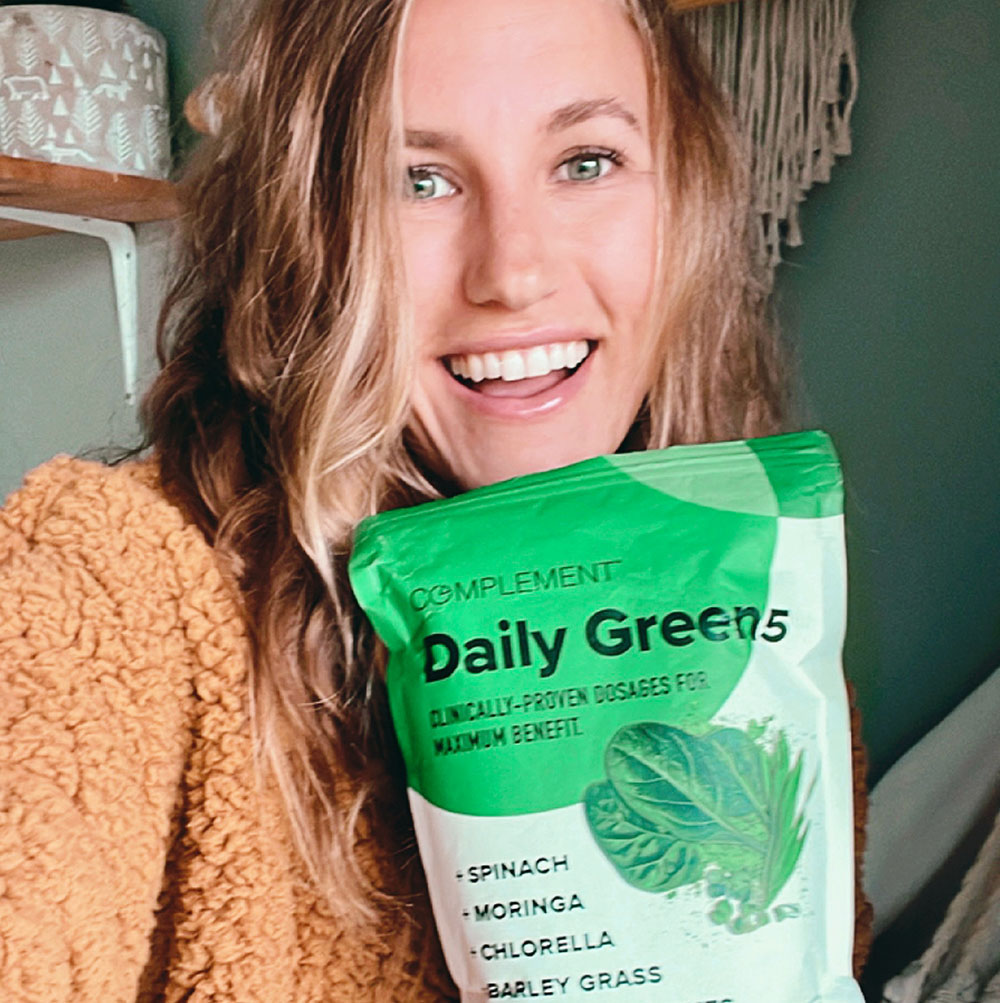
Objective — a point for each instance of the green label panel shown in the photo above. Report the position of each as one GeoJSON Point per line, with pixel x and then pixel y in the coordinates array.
{"type": "Point", "coordinates": [529, 622]}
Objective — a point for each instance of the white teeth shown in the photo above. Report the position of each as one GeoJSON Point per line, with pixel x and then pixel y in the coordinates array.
{"type": "Point", "coordinates": [517, 364]}
{"type": "Point", "coordinates": [538, 362]}
{"type": "Point", "coordinates": [512, 367]}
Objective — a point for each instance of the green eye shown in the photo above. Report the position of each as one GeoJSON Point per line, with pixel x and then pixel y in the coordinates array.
{"type": "Point", "coordinates": [424, 184]}
{"type": "Point", "coordinates": [584, 168]}
{"type": "Point", "coordinates": [589, 165]}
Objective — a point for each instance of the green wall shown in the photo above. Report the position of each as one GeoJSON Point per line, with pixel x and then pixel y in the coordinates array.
{"type": "Point", "coordinates": [892, 305]}
{"type": "Point", "coordinates": [188, 48]}
{"type": "Point", "coordinates": [61, 383]}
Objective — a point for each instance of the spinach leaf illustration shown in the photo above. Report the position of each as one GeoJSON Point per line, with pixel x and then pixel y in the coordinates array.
{"type": "Point", "coordinates": [645, 856]}
{"type": "Point", "coordinates": [700, 788]}
{"type": "Point", "coordinates": [678, 808]}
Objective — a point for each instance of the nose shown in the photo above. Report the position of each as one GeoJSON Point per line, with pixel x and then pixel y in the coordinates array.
{"type": "Point", "coordinates": [508, 256]}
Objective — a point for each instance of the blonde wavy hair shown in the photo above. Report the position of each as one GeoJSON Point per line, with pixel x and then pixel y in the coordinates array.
{"type": "Point", "coordinates": [280, 416]}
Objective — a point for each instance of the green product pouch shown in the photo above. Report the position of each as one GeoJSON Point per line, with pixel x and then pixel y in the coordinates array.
{"type": "Point", "coordinates": [618, 693]}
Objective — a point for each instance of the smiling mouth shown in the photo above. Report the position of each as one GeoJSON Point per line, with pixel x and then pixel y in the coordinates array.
{"type": "Point", "coordinates": [519, 372]}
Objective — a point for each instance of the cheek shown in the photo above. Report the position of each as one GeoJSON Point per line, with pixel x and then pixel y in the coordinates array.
{"type": "Point", "coordinates": [622, 267]}
{"type": "Point", "coordinates": [430, 269]}
{"type": "Point", "coordinates": [616, 248]}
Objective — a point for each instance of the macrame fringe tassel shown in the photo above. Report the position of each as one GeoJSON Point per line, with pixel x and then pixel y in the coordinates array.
{"type": "Point", "coordinates": [790, 69]}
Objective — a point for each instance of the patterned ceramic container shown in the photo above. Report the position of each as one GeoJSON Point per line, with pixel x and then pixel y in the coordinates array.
{"type": "Point", "coordinates": [83, 87]}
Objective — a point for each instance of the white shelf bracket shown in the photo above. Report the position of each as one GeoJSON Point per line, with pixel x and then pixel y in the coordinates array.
{"type": "Point", "coordinates": [120, 240]}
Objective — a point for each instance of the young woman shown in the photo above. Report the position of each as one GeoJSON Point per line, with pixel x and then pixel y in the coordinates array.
{"type": "Point", "coordinates": [436, 244]}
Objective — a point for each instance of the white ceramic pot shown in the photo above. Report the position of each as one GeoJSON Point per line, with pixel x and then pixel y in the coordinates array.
{"type": "Point", "coordinates": [83, 87]}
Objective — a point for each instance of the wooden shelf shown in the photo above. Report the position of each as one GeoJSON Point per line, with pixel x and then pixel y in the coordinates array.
{"type": "Point", "coordinates": [34, 184]}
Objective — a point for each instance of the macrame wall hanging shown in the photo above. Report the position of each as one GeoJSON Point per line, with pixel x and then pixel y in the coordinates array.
{"type": "Point", "coordinates": [790, 69]}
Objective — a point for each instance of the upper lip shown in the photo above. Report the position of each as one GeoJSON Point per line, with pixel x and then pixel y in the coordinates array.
{"type": "Point", "coordinates": [515, 340]}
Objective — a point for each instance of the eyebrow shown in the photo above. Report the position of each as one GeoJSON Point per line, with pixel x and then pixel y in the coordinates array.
{"type": "Point", "coordinates": [580, 111]}
{"type": "Point", "coordinates": [562, 118]}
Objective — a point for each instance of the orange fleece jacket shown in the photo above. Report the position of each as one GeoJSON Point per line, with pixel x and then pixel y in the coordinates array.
{"type": "Point", "coordinates": [139, 858]}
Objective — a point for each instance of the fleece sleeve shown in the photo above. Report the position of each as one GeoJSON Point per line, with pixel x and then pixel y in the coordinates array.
{"type": "Point", "coordinates": [93, 705]}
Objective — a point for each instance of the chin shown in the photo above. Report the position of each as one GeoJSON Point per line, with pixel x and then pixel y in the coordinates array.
{"type": "Point", "coordinates": [494, 466]}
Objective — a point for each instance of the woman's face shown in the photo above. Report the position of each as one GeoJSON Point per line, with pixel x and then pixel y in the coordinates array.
{"type": "Point", "coordinates": [529, 230]}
